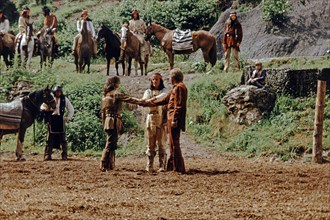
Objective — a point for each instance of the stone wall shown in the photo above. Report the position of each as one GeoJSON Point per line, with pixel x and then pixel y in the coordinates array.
{"type": "Point", "coordinates": [298, 83]}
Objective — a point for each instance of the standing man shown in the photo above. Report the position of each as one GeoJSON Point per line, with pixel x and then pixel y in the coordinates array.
{"type": "Point", "coordinates": [231, 41]}
{"type": "Point", "coordinates": [56, 124]}
{"type": "Point", "coordinates": [139, 28]}
{"type": "Point", "coordinates": [156, 123]}
{"type": "Point", "coordinates": [90, 27]}
{"type": "Point", "coordinates": [176, 102]}
{"type": "Point", "coordinates": [51, 22]}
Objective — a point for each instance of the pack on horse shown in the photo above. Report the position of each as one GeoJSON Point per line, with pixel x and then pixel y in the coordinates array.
{"type": "Point", "coordinates": [112, 46]}
{"type": "Point", "coordinates": [133, 46]}
{"type": "Point", "coordinates": [46, 46]}
{"type": "Point", "coordinates": [7, 48]}
{"type": "Point", "coordinates": [84, 49]}
{"type": "Point", "coordinates": [200, 39]}
{"type": "Point", "coordinates": [27, 45]}
{"type": "Point", "coordinates": [20, 114]}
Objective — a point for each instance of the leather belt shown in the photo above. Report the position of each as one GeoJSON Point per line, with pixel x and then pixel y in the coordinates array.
{"type": "Point", "coordinates": [153, 112]}
{"type": "Point", "coordinates": [113, 115]}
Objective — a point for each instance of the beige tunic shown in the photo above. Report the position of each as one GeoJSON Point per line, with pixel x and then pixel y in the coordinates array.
{"type": "Point", "coordinates": [22, 23]}
{"type": "Point", "coordinates": [137, 26]}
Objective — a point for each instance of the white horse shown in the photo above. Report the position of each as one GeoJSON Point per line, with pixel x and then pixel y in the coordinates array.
{"type": "Point", "coordinates": [27, 45]}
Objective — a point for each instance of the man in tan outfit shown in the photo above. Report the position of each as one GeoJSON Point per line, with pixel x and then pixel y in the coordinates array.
{"type": "Point", "coordinates": [156, 123]}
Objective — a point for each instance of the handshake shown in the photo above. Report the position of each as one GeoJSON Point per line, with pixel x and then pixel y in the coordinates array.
{"type": "Point", "coordinates": [147, 102]}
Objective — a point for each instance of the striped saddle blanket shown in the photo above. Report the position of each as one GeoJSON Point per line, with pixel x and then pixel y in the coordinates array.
{"type": "Point", "coordinates": [182, 40]}
{"type": "Point", "coordinates": [10, 115]}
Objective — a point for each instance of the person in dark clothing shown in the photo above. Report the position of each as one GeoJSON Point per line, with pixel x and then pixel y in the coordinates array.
{"type": "Point", "coordinates": [56, 124]}
{"type": "Point", "coordinates": [258, 76]}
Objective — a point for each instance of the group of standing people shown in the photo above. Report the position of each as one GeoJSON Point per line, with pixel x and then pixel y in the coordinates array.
{"type": "Point", "coordinates": [160, 101]}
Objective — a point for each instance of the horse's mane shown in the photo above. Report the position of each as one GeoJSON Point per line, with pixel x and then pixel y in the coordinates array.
{"type": "Point", "coordinates": [109, 33]}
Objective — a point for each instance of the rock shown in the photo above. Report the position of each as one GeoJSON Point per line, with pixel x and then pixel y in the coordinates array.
{"type": "Point", "coordinates": [297, 83]}
{"type": "Point", "coordinates": [247, 104]}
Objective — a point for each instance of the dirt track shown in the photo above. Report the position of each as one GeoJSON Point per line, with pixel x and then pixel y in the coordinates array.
{"type": "Point", "coordinates": [215, 187]}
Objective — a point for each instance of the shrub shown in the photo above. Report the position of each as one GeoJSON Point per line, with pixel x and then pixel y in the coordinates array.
{"type": "Point", "coordinates": [276, 11]}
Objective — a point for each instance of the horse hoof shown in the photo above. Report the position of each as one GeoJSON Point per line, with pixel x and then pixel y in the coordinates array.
{"type": "Point", "coordinates": [20, 158]}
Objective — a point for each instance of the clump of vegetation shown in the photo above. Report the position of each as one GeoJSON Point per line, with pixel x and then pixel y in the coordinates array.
{"type": "Point", "coordinates": [276, 11]}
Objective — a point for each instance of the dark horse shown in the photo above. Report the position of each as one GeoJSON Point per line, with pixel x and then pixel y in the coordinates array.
{"type": "Point", "coordinates": [46, 44]}
{"type": "Point", "coordinates": [7, 50]}
{"type": "Point", "coordinates": [29, 109]}
{"type": "Point", "coordinates": [201, 39]}
{"type": "Point", "coordinates": [112, 46]}
{"type": "Point", "coordinates": [84, 50]}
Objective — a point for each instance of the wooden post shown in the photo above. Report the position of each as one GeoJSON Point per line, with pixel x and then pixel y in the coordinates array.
{"type": "Point", "coordinates": [319, 115]}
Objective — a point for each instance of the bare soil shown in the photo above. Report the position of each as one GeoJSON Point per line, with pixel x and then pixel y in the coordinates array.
{"type": "Point", "coordinates": [216, 186]}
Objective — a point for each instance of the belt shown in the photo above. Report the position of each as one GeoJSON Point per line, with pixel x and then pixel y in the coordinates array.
{"type": "Point", "coordinates": [153, 112]}
{"type": "Point", "coordinates": [113, 115]}
{"type": "Point", "coordinates": [136, 32]}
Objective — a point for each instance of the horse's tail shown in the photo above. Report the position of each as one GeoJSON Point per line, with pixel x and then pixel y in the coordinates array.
{"type": "Point", "coordinates": [213, 53]}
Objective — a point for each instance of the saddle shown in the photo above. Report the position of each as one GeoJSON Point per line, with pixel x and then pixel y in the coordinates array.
{"type": "Point", "coordinates": [11, 115]}
{"type": "Point", "coordinates": [182, 40]}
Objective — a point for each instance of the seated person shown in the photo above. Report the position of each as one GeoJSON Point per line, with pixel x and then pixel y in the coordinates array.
{"type": "Point", "coordinates": [258, 76]}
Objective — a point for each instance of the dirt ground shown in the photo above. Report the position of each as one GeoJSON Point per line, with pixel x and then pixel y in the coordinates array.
{"type": "Point", "coordinates": [216, 186]}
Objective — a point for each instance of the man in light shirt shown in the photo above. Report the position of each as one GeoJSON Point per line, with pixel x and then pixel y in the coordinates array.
{"type": "Point", "coordinates": [56, 136]}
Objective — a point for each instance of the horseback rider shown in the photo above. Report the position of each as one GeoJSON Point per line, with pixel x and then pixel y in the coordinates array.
{"type": "Point", "coordinates": [124, 29]}
{"type": "Point", "coordinates": [50, 22]}
{"type": "Point", "coordinates": [7, 38]}
{"type": "Point", "coordinates": [23, 21]}
{"type": "Point", "coordinates": [90, 28]}
{"type": "Point", "coordinates": [139, 28]}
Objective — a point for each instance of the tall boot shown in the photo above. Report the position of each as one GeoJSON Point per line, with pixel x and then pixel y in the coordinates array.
{"type": "Point", "coordinates": [142, 54]}
{"type": "Point", "coordinates": [104, 160]}
{"type": "Point", "coordinates": [162, 161]}
{"type": "Point", "coordinates": [48, 152]}
{"type": "Point", "coordinates": [64, 151]}
{"type": "Point", "coordinates": [121, 56]}
{"type": "Point", "coordinates": [150, 163]}
{"type": "Point", "coordinates": [112, 159]}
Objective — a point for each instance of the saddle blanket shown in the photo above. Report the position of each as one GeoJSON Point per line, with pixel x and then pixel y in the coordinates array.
{"type": "Point", "coordinates": [182, 40]}
{"type": "Point", "coordinates": [11, 115]}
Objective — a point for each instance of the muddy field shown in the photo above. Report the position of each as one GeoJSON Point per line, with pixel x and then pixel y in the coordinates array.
{"type": "Point", "coordinates": [216, 186]}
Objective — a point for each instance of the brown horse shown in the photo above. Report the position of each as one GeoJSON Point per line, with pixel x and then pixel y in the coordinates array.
{"type": "Point", "coordinates": [200, 39]}
{"type": "Point", "coordinates": [84, 49]}
{"type": "Point", "coordinates": [132, 50]}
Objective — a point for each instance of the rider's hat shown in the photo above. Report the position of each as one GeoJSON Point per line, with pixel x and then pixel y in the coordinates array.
{"type": "Point", "coordinates": [135, 12]}
{"type": "Point", "coordinates": [233, 13]}
{"type": "Point", "coordinates": [57, 89]}
{"type": "Point", "coordinates": [45, 8]}
{"type": "Point", "coordinates": [1, 12]}
{"type": "Point", "coordinates": [84, 13]}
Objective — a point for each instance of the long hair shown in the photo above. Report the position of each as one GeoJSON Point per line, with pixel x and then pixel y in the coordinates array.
{"type": "Point", "coordinates": [161, 85]}
{"type": "Point", "coordinates": [3, 18]}
{"type": "Point", "coordinates": [110, 84]}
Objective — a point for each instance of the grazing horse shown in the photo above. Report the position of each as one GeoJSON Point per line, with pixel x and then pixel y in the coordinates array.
{"type": "Point", "coordinates": [26, 51]}
{"type": "Point", "coordinates": [132, 50]}
{"type": "Point", "coordinates": [46, 43]}
{"type": "Point", "coordinates": [112, 46]}
{"type": "Point", "coordinates": [200, 39]}
{"type": "Point", "coordinates": [26, 110]}
{"type": "Point", "coordinates": [7, 50]}
{"type": "Point", "coordinates": [84, 49]}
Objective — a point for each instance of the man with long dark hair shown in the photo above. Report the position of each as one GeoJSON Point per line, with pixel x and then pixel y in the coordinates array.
{"type": "Point", "coordinates": [156, 123]}
{"type": "Point", "coordinates": [232, 39]}
{"type": "Point", "coordinates": [50, 23]}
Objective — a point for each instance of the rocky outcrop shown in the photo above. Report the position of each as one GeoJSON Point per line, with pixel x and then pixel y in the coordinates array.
{"type": "Point", "coordinates": [305, 34]}
{"type": "Point", "coordinates": [248, 104]}
{"type": "Point", "coordinates": [297, 83]}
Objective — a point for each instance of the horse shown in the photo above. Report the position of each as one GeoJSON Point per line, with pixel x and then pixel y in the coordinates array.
{"type": "Point", "coordinates": [112, 46]}
{"type": "Point", "coordinates": [133, 46]}
{"type": "Point", "coordinates": [7, 49]}
{"type": "Point", "coordinates": [200, 39]}
{"type": "Point", "coordinates": [27, 109]}
{"type": "Point", "coordinates": [46, 44]}
{"type": "Point", "coordinates": [27, 51]}
{"type": "Point", "coordinates": [84, 49]}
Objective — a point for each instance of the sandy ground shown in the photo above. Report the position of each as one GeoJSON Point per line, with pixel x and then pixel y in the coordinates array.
{"type": "Point", "coordinates": [216, 186]}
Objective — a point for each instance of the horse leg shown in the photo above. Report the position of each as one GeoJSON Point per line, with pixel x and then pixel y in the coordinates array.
{"type": "Point", "coordinates": [123, 66]}
{"type": "Point", "coordinates": [19, 145]}
{"type": "Point", "coordinates": [170, 56]}
{"type": "Point", "coordinates": [129, 66]}
{"type": "Point", "coordinates": [146, 65]}
{"type": "Point", "coordinates": [108, 66]}
{"type": "Point", "coordinates": [141, 67]}
{"type": "Point", "coordinates": [136, 66]}
{"type": "Point", "coordinates": [206, 55]}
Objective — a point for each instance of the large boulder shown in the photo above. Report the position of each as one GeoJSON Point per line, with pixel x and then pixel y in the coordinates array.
{"type": "Point", "coordinates": [247, 104]}
{"type": "Point", "coordinates": [297, 83]}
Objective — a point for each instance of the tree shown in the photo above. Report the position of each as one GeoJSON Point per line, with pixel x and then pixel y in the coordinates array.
{"type": "Point", "coordinates": [10, 10]}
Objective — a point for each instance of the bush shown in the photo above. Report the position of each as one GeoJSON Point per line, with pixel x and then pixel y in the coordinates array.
{"type": "Point", "coordinates": [276, 11]}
